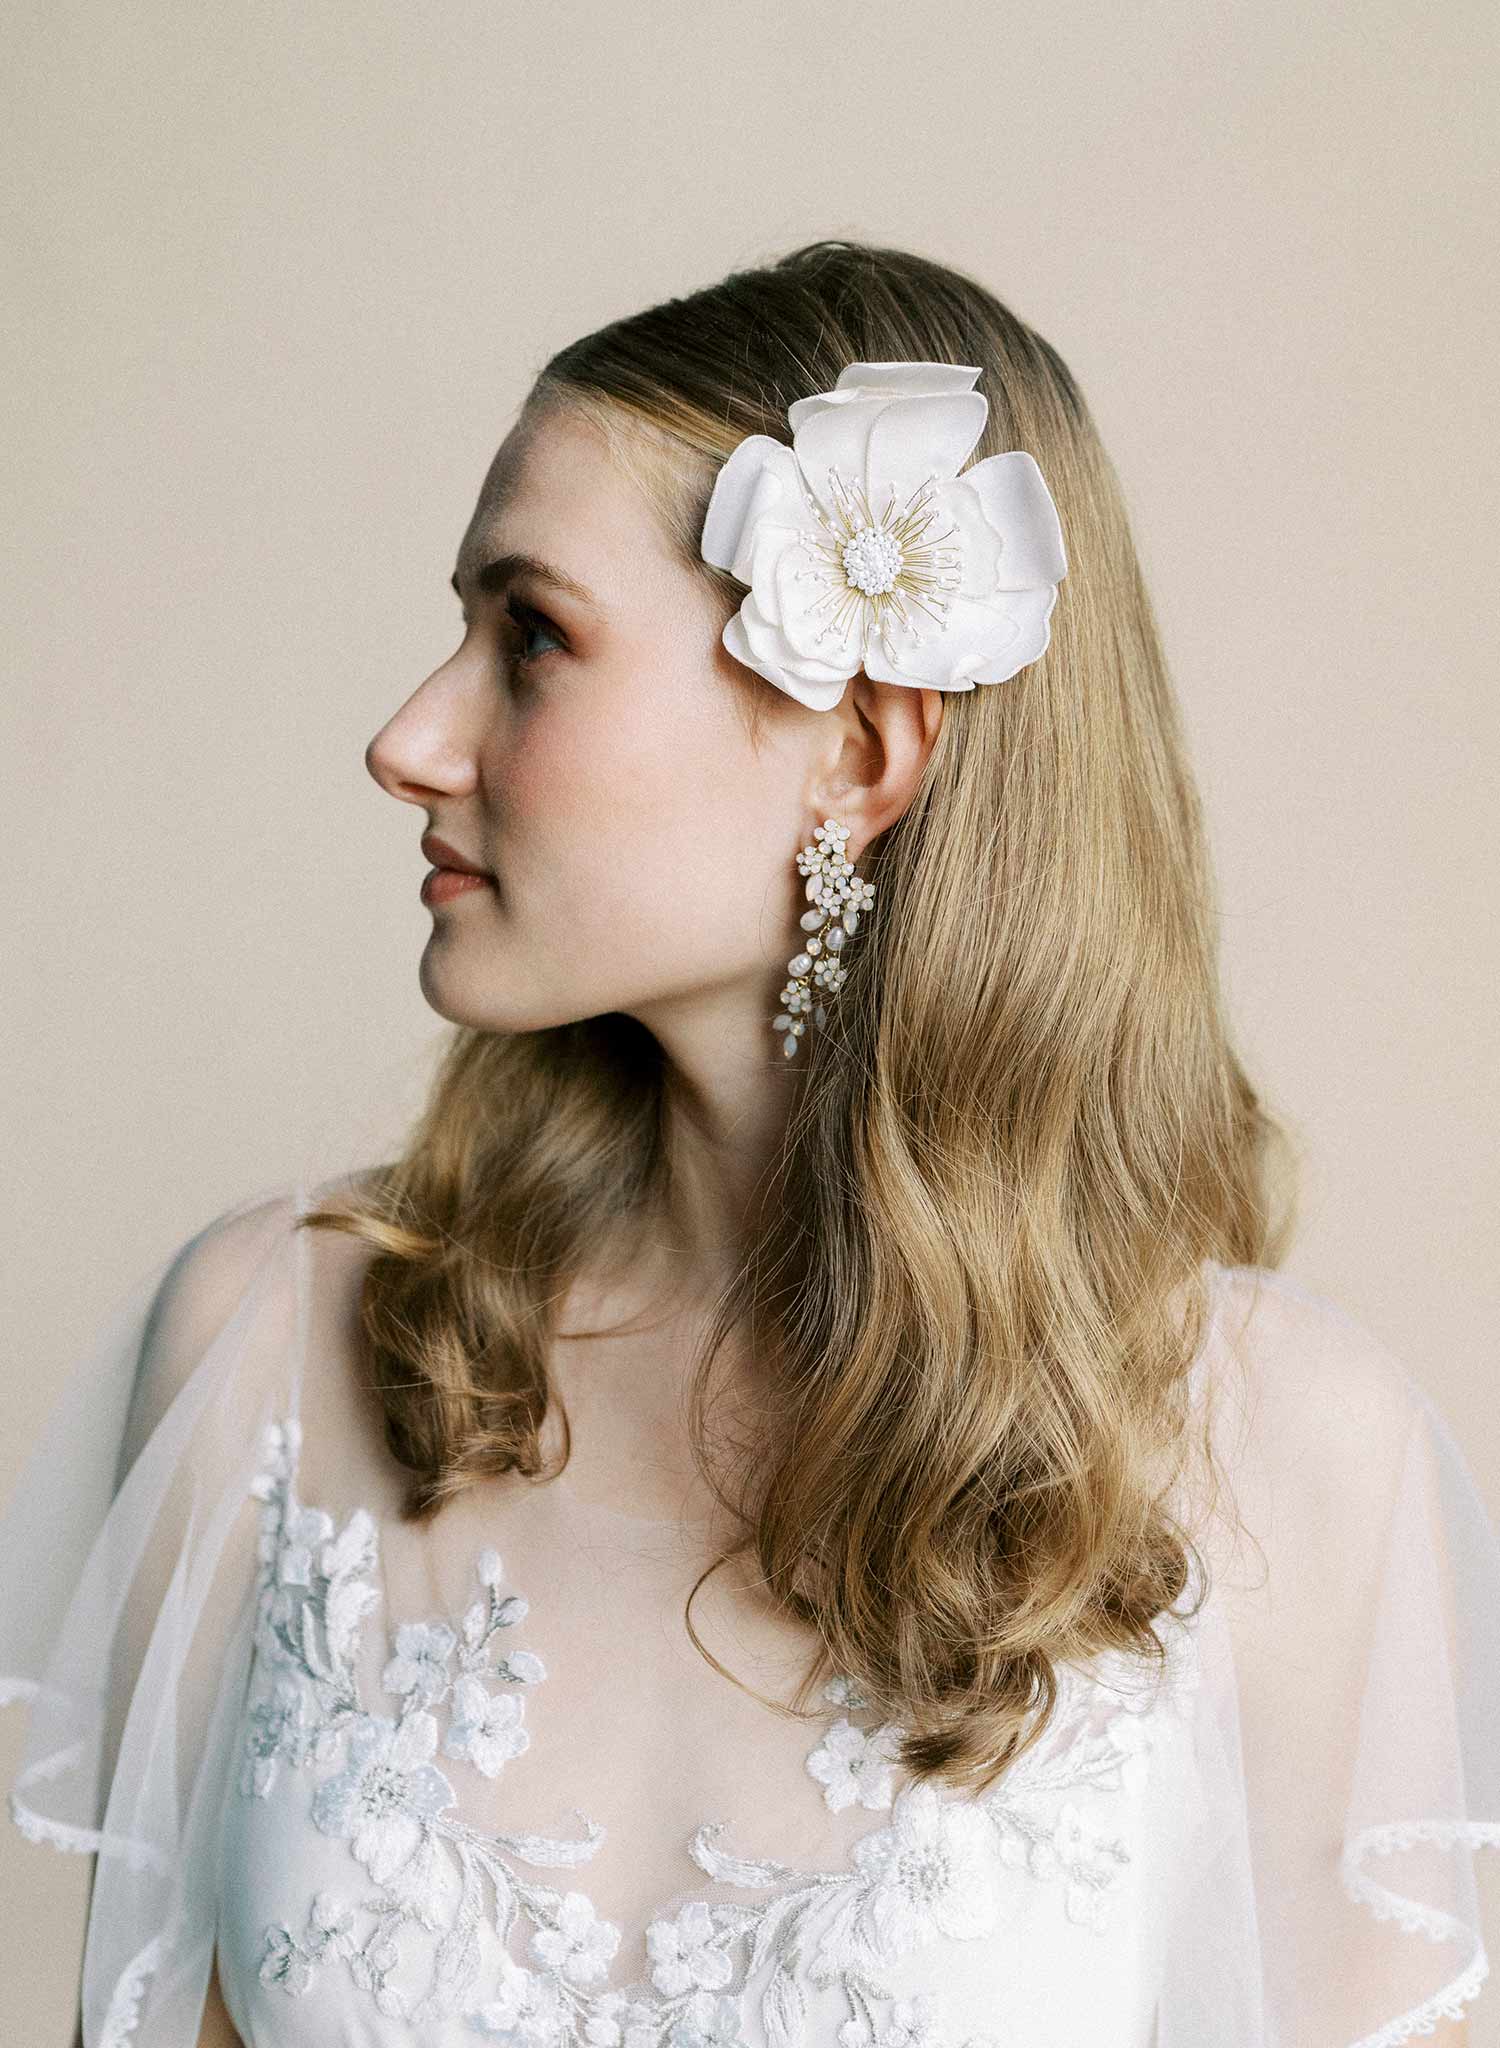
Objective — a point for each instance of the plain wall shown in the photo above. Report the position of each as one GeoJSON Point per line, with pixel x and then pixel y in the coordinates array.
{"type": "Point", "coordinates": [277, 279]}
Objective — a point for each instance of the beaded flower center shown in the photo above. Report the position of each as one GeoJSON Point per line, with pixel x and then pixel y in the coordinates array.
{"type": "Point", "coordinates": [926, 1873]}
{"type": "Point", "coordinates": [385, 1790]}
{"type": "Point", "coordinates": [872, 560]}
{"type": "Point", "coordinates": [894, 568]}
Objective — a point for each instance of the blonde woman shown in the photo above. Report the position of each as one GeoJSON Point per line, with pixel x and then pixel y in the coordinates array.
{"type": "Point", "coordinates": [797, 1512]}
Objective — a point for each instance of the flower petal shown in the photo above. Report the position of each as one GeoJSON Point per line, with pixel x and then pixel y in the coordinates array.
{"type": "Point", "coordinates": [1031, 613]}
{"type": "Point", "coordinates": [969, 535]}
{"type": "Point", "coordinates": [913, 439]}
{"type": "Point", "coordinates": [918, 1814]}
{"type": "Point", "coordinates": [818, 691]}
{"type": "Point", "coordinates": [428, 1789]}
{"type": "Point", "coordinates": [524, 1666]}
{"type": "Point", "coordinates": [975, 634]}
{"type": "Point", "coordinates": [837, 438]}
{"type": "Point", "coordinates": [856, 380]}
{"type": "Point", "coordinates": [880, 668]}
{"type": "Point", "coordinates": [384, 1844]}
{"type": "Point", "coordinates": [821, 619]}
{"type": "Point", "coordinates": [1019, 506]}
{"type": "Point", "coordinates": [414, 1741]}
{"type": "Point", "coordinates": [469, 1698]}
{"type": "Point", "coordinates": [759, 478]}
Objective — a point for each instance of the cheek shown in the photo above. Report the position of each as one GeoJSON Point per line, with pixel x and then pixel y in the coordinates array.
{"type": "Point", "coordinates": [655, 830]}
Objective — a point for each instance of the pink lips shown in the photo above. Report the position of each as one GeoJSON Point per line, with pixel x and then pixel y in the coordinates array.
{"type": "Point", "coordinates": [442, 855]}
{"type": "Point", "coordinates": [440, 885]}
{"type": "Point", "coordinates": [451, 874]}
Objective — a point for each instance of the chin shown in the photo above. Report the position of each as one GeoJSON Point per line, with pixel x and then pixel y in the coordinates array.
{"type": "Point", "coordinates": [454, 996]}
{"type": "Point", "coordinates": [444, 991]}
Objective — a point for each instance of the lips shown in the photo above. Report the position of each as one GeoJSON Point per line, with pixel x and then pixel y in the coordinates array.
{"type": "Point", "coordinates": [442, 855]}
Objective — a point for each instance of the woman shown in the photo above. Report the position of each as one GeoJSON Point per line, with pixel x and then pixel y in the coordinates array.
{"type": "Point", "coordinates": [797, 1510]}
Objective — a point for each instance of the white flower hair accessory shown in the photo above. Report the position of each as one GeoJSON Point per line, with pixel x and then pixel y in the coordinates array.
{"type": "Point", "coordinates": [864, 548]}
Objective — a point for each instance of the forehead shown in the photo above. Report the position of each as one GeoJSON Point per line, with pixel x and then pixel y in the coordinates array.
{"type": "Point", "coordinates": [554, 490]}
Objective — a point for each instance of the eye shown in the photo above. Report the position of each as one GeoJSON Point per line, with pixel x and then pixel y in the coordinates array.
{"type": "Point", "coordinates": [528, 620]}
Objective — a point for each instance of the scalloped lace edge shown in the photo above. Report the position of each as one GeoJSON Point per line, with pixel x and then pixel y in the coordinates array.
{"type": "Point", "coordinates": [1414, 1917]}
{"type": "Point", "coordinates": [61, 1834]}
{"type": "Point", "coordinates": [124, 2014]}
{"type": "Point", "coordinates": [124, 2011]}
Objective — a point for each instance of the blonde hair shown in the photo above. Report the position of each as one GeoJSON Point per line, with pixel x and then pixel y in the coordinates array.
{"type": "Point", "coordinates": [978, 1284]}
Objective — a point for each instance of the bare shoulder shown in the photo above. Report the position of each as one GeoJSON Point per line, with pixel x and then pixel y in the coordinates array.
{"type": "Point", "coordinates": [212, 1268]}
{"type": "Point", "coordinates": [261, 1278]}
{"type": "Point", "coordinates": [204, 1284]}
{"type": "Point", "coordinates": [1309, 1401]}
{"type": "Point", "coordinates": [250, 1272]}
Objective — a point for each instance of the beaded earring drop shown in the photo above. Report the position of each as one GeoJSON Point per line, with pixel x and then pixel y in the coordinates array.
{"type": "Point", "coordinates": [838, 896]}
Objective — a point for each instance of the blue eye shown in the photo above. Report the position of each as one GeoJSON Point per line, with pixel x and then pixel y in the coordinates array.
{"type": "Point", "coordinates": [528, 620]}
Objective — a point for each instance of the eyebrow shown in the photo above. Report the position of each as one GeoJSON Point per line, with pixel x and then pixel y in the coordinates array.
{"type": "Point", "coordinates": [504, 570]}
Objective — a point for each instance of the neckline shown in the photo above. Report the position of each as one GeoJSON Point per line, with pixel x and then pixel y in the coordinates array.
{"type": "Point", "coordinates": [779, 1884]}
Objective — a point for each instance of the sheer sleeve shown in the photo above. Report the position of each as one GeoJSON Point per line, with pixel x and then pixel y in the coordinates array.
{"type": "Point", "coordinates": [1349, 1742]}
{"type": "Point", "coordinates": [127, 1606]}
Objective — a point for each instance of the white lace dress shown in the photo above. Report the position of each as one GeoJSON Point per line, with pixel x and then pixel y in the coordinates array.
{"type": "Point", "coordinates": [470, 1780]}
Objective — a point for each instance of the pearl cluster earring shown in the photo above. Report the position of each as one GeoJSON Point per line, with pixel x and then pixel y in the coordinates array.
{"type": "Point", "coordinates": [838, 896]}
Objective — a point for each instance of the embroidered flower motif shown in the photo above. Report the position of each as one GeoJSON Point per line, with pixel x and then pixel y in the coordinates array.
{"type": "Point", "coordinates": [930, 1873]}
{"type": "Point", "coordinates": [287, 1962]}
{"type": "Point", "coordinates": [330, 1921]}
{"type": "Point", "coordinates": [524, 1666]}
{"type": "Point", "coordinates": [486, 1727]}
{"type": "Point", "coordinates": [686, 1953]}
{"type": "Point", "coordinates": [386, 1791]}
{"type": "Point", "coordinates": [615, 2021]}
{"type": "Point", "coordinates": [420, 1665]}
{"type": "Point", "coordinates": [284, 1963]}
{"type": "Point", "coordinates": [276, 1726]}
{"type": "Point", "coordinates": [306, 1529]}
{"type": "Point", "coordinates": [852, 1765]}
{"type": "Point", "coordinates": [372, 1968]}
{"type": "Point", "coordinates": [347, 1562]}
{"type": "Point", "coordinates": [1069, 1848]}
{"type": "Point", "coordinates": [580, 1945]}
{"type": "Point", "coordinates": [863, 547]}
{"type": "Point", "coordinates": [530, 2012]}
{"type": "Point", "coordinates": [934, 1870]}
{"type": "Point", "coordinates": [709, 2022]}
{"type": "Point", "coordinates": [280, 1445]}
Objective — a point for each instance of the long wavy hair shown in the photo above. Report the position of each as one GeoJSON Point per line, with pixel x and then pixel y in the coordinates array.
{"type": "Point", "coordinates": [976, 1283]}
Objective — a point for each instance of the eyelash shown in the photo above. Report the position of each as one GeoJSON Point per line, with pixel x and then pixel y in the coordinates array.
{"type": "Point", "coordinates": [524, 616]}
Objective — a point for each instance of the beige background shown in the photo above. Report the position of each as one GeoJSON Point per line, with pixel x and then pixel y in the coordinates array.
{"type": "Point", "coordinates": [278, 277]}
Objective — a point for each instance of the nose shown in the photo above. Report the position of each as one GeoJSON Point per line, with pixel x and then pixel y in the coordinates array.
{"type": "Point", "coordinates": [428, 747]}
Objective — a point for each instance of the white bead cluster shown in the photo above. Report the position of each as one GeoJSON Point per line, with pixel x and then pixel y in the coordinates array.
{"type": "Point", "coordinates": [835, 892]}
{"type": "Point", "coordinates": [876, 571]}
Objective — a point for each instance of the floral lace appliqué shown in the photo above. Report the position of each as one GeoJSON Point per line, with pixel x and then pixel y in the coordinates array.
{"type": "Point", "coordinates": [933, 1872]}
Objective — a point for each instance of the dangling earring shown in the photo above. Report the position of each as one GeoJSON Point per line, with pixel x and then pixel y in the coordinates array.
{"type": "Point", "coordinates": [836, 893]}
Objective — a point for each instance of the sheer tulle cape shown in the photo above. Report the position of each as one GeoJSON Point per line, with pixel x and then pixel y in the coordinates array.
{"type": "Point", "coordinates": [1348, 1720]}
{"type": "Point", "coordinates": [1346, 1723]}
{"type": "Point", "coordinates": [127, 1606]}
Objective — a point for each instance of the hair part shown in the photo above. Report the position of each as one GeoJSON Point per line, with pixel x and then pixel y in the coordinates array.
{"type": "Point", "coordinates": [977, 1283]}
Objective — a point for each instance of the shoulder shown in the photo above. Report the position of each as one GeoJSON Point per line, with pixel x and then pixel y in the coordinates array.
{"type": "Point", "coordinates": [211, 1271]}
{"type": "Point", "coordinates": [1302, 1350]}
{"type": "Point", "coordinates": [1312, 1411]}
{"type": "Point", "coordinates": [247, 1276]}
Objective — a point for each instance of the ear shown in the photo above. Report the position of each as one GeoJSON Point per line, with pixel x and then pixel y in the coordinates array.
{"type": "Point", "coordinates": [867, 770]}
